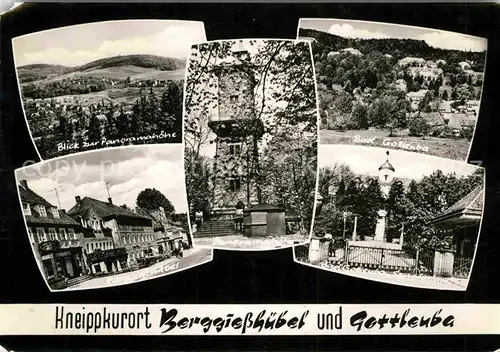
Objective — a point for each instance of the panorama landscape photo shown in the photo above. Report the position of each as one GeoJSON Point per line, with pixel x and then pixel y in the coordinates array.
{"type": "Point", "coordinates": [104, 84]}
{"type": "Point", "coordinates": [396, 87]}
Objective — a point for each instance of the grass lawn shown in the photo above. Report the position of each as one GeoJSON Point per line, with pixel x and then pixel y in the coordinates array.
{"type": "Point", "coordinates": [457, 149]}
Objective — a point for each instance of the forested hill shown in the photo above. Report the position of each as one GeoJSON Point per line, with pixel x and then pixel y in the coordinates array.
{"type": "Point", "coordinates": [147, 61]}
{"type": "Point", "coordinates": [398, 48]}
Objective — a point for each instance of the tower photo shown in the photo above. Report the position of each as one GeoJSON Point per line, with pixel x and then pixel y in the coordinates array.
{"type": "Point", "coordinates": [250, 124]}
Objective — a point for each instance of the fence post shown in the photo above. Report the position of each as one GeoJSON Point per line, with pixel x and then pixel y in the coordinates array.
{"type": "Point", "coordinates": [382, 257]}
{"type": "Point", "coordinates": [346, 253]}
{"type": "Point", "coordinates": [417, 260]}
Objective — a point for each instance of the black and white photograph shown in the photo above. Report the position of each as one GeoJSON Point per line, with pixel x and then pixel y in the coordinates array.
{"type": "Point", "coordinates": [106, 218]}
{"type": "Point", "coordinates": [395, 216]}
{"type": "Point", "coordinates": [250, 149]}
{"type": "Point", "coordinates": [104, 84]}
{"type": "Point", "coordinates": [395, 86]}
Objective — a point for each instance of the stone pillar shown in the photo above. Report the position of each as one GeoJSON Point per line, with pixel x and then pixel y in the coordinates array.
{"type": "Point", "coordinates": [318, 250]}
{"type": "Point", "coordinates": [443, 263]}
{"type": "Point", "coordinates": [380, 228]}
{"type": "Point", "coordinates": [113, 267]}
{"type": "Point", "coordinates": [402, 237]}
{"type": "Point", "coordinates": [354, 234]}
{"type": "Point", "coordinates": [118, 265]}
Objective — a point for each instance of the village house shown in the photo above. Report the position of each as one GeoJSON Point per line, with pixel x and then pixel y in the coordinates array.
{"type": "Point", "coordinates": [56, 238]}
{"type": "Point", "coordinates": [416, 97]}
{"type": "Point", "coordinates": [168, 236]}
{"type": "Point", "coordinates": [464, 65]}
{"type": "Point", "coordinates": [464, 219]}
{"type": "Point", "coordinates": [133, 234]}
{"type": "Point", "coordinates": [352, 51]}
{"type": "Point", "coordinates": [413, 61]}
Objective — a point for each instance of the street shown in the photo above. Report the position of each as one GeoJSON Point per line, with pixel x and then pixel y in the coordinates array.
{"type": "Point", "coordinates": [396, 278]}
{"type": "Point", "coordinates": [192, 257]}
{"type": "Point", "coordinates": [242, 242]}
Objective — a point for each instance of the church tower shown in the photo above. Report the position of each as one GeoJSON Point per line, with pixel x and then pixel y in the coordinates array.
{"type": "Point", "coordinates": [238, 131]}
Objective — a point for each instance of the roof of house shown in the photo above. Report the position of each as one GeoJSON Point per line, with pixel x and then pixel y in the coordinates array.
{"type": "Point", "coordinates": [468, 210]}
{"type": "Point", "coordinates": [102, 209]}
{"type": "Point", "coordinates": [264, 207]}
{"type": "Point", "coordinates": [157, 225]}
{"type": "Point", "coordinates": [432, 118]}
{"type": "Point", "coordinates": [458, 120]}
{"type": "Point", "coordinates": [33, 199]}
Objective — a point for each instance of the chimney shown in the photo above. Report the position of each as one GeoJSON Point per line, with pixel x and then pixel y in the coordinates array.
{"type": "Point", "coordinates": [78, 200]}
{"type": "Point", "coordinates": [24, 183]}
{"type": "Point", "coordinates": [110, 201]}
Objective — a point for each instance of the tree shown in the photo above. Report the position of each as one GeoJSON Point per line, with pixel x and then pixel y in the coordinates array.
{"type": "Point", "coordinates": [94, 129]}
{"type": "Point", "coordinates": [388, 112]}
{"type": "Point", "coordinates": [152, 199]}
{"type": "Point", "coordinates": [359, 116]}
{"type": "Point", "coordinates": [419, 127]}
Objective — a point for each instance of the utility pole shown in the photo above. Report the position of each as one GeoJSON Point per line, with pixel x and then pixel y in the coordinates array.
{"type": "Point", "coordinates": [107, 188]}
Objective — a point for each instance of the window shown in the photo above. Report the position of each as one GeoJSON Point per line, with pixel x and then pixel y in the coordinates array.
{"type": "Point", "coordinates": [42, 237]}
{"type": "Point", "coordinates": [55, 213]}
{"type": "Point", "coordinates": [26, 209]}
{"type": "Point", "coordinates": [234, 184]}
{"type": "Point", "coordinates": [235, 149]}
{"type": "Point", "coordinates": [71, 234]}
{"type": "Point", "coordinates": [30, 235]}
{"type": "Point", "coordinates": [52, 234]}
{"type": "Point", "coordinates": [41, 210]}
{"type": "Point", "coordinates": [233, 98]}
{"type": "Point", "coordinates": [62, 234]}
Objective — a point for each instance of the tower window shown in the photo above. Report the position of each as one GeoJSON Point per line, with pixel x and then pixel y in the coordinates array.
{"type": "Point", "coordinates": [235, 149]}
{"type": "Point", "coordinates": [234, 184]}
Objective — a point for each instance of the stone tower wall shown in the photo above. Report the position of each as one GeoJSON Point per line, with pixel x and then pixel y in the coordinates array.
{"type": "Point", "coordinates": [236, 95]}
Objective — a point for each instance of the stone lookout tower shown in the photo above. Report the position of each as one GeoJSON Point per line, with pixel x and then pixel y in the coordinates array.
{"type": "Point", "coordinates": [238, 130]}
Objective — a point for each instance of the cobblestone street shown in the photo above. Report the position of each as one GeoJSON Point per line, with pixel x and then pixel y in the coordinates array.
{"type": "Point", "coordinates": [192, 257]}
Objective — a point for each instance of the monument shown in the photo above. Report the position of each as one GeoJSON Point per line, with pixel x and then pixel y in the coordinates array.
{"type": "Point", "coordinates": [386, 176]}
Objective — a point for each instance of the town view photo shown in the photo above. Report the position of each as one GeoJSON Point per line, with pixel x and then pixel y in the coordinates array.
{"type": "Point", "coordinates": [395, 86]}
{"type": "Point", "coordinates": [395, 216]}
{"type": "Point", "coordinates": [104, 84]}
{"type": "Point", "coordinates": [105, 218]}
{"type": "Point", "coordinates": [250, 129]}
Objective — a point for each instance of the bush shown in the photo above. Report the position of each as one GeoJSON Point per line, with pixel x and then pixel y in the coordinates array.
{"type": "Point", "coordinates": [467, 133]}
{"type": "Point", "coordinates": [418, 127]}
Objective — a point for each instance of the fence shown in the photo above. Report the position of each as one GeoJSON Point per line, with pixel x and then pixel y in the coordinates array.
{"type": "Point", "coordinates": [462, 267]}
{"type": "Point", "coordinates": [302, 253]}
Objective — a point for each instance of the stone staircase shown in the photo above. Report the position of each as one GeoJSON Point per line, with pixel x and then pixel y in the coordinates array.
{"type": "Point", "coordinates": [78, 280]}
{"type": "Point", "coordinates": [215, 228]}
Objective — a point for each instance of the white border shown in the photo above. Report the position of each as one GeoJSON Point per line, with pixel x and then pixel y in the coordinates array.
{"type": "Point", "coordinates": [306, 240]}
{"type": "Point", "coordinates": [404, 25]}
{"type": "Point", "coordinates": [361, 276]}
{"type": "Point", "coordinates": [39, 264]}
{"type": "Point", "coordinates": [80, 25]}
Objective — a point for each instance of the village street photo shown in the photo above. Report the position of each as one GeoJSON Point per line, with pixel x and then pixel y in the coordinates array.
{"type": "Point", "coordinates": [395, 216]}
{"type": "Point", "coordinates": [105, 218]}
{"type": "Point", "coordinates": [395, 86]}
{"type": "Point", "coordinates": [250, 126]}
{"type": "Point", "coordinates": [104, 84]}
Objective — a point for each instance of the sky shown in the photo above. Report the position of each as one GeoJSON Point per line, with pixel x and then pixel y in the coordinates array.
{"type": "Point", "coordinates": [127, 170]}
{"type": "Point", "coordinates": [408, 165]}
{"type": "Point", "coordinates": [376, 30]}
{"type": "Point", "coordinates": [80, 44]}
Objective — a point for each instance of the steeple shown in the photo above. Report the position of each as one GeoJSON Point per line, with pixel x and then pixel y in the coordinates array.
{"type": "Point", "coordinates": [387, 165]}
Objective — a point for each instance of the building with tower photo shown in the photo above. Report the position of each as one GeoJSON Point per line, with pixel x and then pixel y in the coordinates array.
{"type": "Point", "coordinates": [116, 220]}
{"type": "Point", "coordinates": [250, 128]}
{"type": "Point", "coordinates": [400, 217]}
